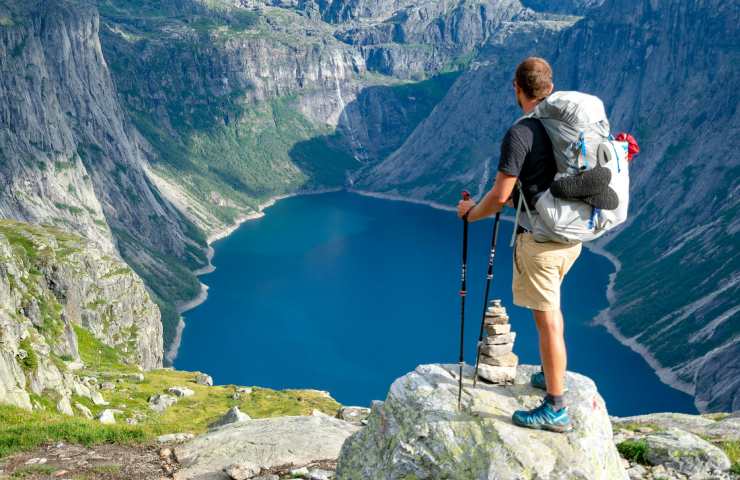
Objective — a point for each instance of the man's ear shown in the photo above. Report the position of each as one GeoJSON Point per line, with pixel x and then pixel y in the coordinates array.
{"type": "Point", "coordinates": [552, 88]}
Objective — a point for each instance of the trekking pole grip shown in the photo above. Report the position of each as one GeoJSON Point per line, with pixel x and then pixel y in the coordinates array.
{"type": "Point", "coordinates": [466, 196]}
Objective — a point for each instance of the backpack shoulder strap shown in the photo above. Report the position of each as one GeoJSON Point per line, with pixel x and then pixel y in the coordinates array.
{"type": "Point", "coordinates": [518, 211]}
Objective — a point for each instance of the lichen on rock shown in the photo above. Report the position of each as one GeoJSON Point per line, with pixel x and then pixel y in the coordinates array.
{"type": "Point", "coordinates": [419, 433]}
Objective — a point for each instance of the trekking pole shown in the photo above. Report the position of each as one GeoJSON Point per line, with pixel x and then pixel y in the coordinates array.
{"type": "Point", "coordinates": [463, 292]}
{"type": "Point", "coordinates": [489, 279]}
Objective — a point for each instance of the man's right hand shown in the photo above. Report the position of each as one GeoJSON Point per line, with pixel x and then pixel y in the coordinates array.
{"type": "Point", "coordinates": [464, 206]}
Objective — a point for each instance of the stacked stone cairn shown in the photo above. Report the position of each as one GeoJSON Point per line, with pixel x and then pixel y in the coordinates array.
{"type": "Point", "coordinates": [497, 362]}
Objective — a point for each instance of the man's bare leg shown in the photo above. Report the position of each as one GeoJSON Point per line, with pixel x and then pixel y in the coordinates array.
{"type": "Point", "coordinates": [550, 326]}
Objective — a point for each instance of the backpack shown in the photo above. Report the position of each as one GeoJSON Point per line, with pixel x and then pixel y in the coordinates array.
{"type": "Point", "coordinates": [579, 131]}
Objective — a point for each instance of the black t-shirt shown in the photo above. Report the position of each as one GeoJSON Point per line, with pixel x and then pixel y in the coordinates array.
{"type": "Point", "coordinates": [526, 152]}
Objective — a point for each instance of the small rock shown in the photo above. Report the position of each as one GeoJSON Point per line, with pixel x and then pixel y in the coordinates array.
{"type": "Point", "coordinates": [165, 453]}
{"type": "Point", "coordinates": [75, 365]}
{"type": "Point", "coordinates": [499, 329]}
{"type": "Point", "coordinates": [161, 402]}
{"type": "Point", "coordinates": [234, 415]}
{"type": "Point", "coordinates": [500, 339]}
{"type": "Point", "coordinates": [299, 472]}
{"type": "Point", "coordinates": [685, 453]}
{"type": "Point", "coordinates": [496, 374]}
{"type": "Point", "coordinates": [496, 350]}
{"type": "Point", "coordinates": [658, 471]}
{"type": "Point", "coordinates": [174, 437]}
{"type": "Point", "coordinates": [242, 471]}
{"type": "Point", "coordinates": [181, 391]}
{"type": "Point", "coordinates": [36, 461]}
{"type": "Point", "coordinates": [97, 398]}
{"type": "Point", "coordinates": [507, 360]}
{"type": "Point", "coordinates": [132, 421]}
{"type": "Point", "coordinates": [636, 472]}
{"type": "Point", "coordinates": [63, 406]}
{"type": "Point", "coordinates": [107, 386]}
{"type": "Point", "coordinates": [84, 410]}
{"type": "Point", "coordinates": [203, 379]}
{"type": "Point", "coordinates": [60, 473]}
{"type": "Point", "coordinates": [269, 476]}
{"type": "Point", "coordinates": [318, 474]}
{"type": "Point", "coordinates": [355, 415]}
{"type": "Point", "coordinates": [108, 416]}
{"type": "Point", "coordinates": [244, 390]}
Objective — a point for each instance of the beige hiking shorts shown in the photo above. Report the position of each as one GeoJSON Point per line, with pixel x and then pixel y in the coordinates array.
{"type": "Point", "coordinates": [539, 269]}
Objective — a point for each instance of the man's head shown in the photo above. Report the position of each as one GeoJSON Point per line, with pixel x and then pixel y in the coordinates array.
{"type": "Point", "coordinates": [532, 82]}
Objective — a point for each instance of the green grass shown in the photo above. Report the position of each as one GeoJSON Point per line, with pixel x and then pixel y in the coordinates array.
{"type": "Point", "coordinates": [97, 356]}
{"type": "Point", "coordinates": [634, 450]}
{"type": "Point", "coordinates": [31, 362]}
{"type": "Point", "coordinates": [21, 430]}
{"type": "Point", "coordinates": [195, 413]}
{"type": "Point", "coordinates": [32, 470]}
{"type": "Point", "coordinates": [732, 449]}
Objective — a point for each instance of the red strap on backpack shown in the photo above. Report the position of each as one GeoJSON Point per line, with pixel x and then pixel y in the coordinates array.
{"type": "Point", "coordinates": [633, 148]}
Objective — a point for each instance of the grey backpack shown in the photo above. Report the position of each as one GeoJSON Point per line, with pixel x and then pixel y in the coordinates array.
{"type": "Point", "coordinates": [579, 130]}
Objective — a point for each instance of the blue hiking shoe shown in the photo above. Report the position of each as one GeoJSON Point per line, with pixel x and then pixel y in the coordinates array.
{"type": "Point", "coordinates": [538, 381]}
{"type": "Point", "coordinates": [544, 418]}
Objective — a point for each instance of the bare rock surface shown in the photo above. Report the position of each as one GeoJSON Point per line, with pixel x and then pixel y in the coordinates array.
{"type": "Point", "coordinates": [268, 443]}
{"type": "Point", "coordinates": [418, 432]}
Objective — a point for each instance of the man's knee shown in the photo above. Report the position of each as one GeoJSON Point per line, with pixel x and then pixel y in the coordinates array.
{"type": "Point", "coordinates": [550, 321]}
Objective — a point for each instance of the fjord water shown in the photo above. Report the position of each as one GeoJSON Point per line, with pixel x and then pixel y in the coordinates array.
{"type": "Point", "coordinates": [345, 293]}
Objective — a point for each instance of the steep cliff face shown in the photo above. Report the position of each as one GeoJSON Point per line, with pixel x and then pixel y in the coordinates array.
{"type": "Point", "coordinates": [447, 150]}
{"type": "Point", "coordinates": [240, 104]}
{"type": "Point", "coordinates": [667, 71]}
{"type": "Point", "coordinates": [410, 39]}
{"type": "Point", "coordinates": [53, 287]}
{"type": "Point", "coordinates": [70, 156]}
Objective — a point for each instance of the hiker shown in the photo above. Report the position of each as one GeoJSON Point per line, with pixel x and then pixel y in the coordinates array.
{"type": "Point", "coordinates": [539, 267]}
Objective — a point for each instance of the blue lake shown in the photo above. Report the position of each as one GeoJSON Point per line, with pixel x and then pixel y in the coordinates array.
{"type": "Point", "coordinates": [345, 293]}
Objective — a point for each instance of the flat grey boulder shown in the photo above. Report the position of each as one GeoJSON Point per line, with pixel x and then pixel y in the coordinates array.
{"type": "Point", "coordinates": [242, 471]}
{"type": "Point", "coordinates": [419, 433]}
{"type": "Point", "coordinates": [204, 379]}
{"type": "Point", "coordinates": [180, 391]}
{"type": "Point", "coordinates": [685, 453]}
{"type": "Point", "coordinates": [161, 402]}
{"type": "Point", "coordinates": [234, 415]}
{"type": "Point", "coordinates": [727, 428]}
{"type": "Point", "coordinates": [266, 442]}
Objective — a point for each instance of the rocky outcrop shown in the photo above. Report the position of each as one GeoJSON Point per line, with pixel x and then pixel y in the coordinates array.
{"type": "Point", "coordinates": [418, 432]}
{"type": "Point", "coordinates": [671, 445]}
{"type": "Point", "coordinates": [264, 443]}
{"type": "Point", "coordinates": [51, 285]}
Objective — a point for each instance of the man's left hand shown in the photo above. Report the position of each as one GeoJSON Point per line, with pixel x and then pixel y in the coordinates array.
{"type": "Point", "coordinates": [464, 206]}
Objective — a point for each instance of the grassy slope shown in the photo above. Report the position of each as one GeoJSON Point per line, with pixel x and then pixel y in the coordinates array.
{"type": "Point", "coordinates": [22, 430]}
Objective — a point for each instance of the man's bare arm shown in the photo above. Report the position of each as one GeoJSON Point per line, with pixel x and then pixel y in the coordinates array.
{"type": "Point", "coordinates": [492, 202]}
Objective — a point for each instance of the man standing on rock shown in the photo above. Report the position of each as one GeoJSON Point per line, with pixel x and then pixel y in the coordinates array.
{"type": "Point", "coordinates": [539, 267]}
